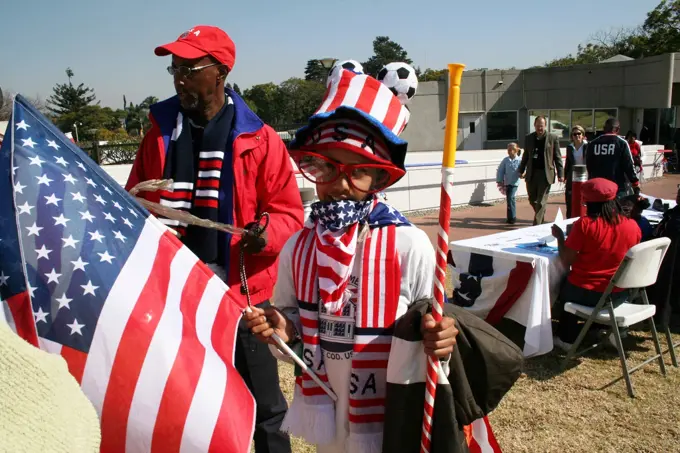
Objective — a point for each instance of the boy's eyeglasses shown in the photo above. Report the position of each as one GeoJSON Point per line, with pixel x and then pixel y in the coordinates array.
{"type": "Point", "coordinates": [366, 178]}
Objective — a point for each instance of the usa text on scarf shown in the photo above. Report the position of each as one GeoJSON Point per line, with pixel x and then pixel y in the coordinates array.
{"type": "Point", "coordinates": [323, 260]}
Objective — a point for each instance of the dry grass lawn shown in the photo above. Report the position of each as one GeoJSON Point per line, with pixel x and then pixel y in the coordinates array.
{"type": "Point", "coordinates": [552, 411]}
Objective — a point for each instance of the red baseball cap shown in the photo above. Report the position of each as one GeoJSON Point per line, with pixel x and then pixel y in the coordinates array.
{"type": "Point", "coordinates": [599, 190]}
{"type": "Point", "coordinates": [200, 41]}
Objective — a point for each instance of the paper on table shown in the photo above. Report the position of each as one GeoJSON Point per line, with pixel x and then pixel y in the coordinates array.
{"type": "Point", "coordinates": [559, 219]}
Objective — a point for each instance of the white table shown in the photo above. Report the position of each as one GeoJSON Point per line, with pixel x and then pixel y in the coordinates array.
{"type": "Point", "coordinates": [496, 258]}
{"type": "Point", "coordinates": [504, 253]}
{"type": "Point", "coordinates": [653, 216]}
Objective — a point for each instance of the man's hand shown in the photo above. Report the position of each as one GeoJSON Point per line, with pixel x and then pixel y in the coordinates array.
{"type": "Point", "coordinates": [558, 233]}
{"type": "Point", "coordinates": [251, 242]}
{"type": "Point", "coordinates": [560, 179]}
{"type": "Point", "coordinates": [438, 338]}
{"type": "Point", "coordinates": [263, 323]}
{"type": "Point", "coordinates": [522, 175]}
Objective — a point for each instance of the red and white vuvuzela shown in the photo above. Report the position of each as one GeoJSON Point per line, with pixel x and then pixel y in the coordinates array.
{"type": "Point", "coordinates": [448, 164]}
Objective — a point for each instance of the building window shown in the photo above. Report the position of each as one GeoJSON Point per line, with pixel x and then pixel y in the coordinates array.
{"type": "Point", "coordinates": [584, 118]}
{"type": "Point", "coordinates": [559, 123]}
{"type": "Point", "coordinates": [600, 117]}
{"type": "Point", "coordinates": [501, 126]}
{"type": "Point", "coordinates": [533, 114]}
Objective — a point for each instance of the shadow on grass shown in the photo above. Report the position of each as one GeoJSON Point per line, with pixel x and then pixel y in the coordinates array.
{"type": "Point", "coordinates": [547, 366]}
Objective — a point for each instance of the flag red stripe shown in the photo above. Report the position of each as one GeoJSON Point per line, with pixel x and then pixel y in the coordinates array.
{"type": "Point", "coordinates": [185, 372]}
{"type": "Point", "coordinates": [228, 435]}
{"type": "Point", "coordinates": [132, 349]}
{"type": "Point", "coordinates": [177, 195]}
{"type": "Point", "coordinates": [392, 114]}
{"type": "Point", "coordinates": [490, 437]}
{"type": "Point", "coordinates": [364, 288]}
{"type": "Point", "coordinates": [206, 203]}
{"type": "Point", "coordinates": [22, 313]}
{"type": "Point", "coordinates": [393, 280]}
{"type": "Point", "coordinates": [381, 364]}
{"type": "Point", "coordinates": [518, 280]}
{"type": "Point", "coordinates": [212, 164]}
{"type": "Point", "coordinates": [372, 347]}
{"type": "Point", "coordinates": [329, 273]}
{"type": "Point", "coordinates": [334, 252]}
{"type": "Point", "coordinates": [378, 278]}
{"type": "Point", "coordinates": [311, 323]}
{"type": "Point", "coordinates": [310, 339]}
{"type": "Point", "coordinates": [367, 402]}
{"type": "Point", "coordinates": [310, 264]}
{"type": "Point", "coordinates": [367, 418]}
{"type": "Point", "coordinates": [75, 360]}
{"type": "Point", "coordinates": [343, 86]}
{"type": "Point", "coordinates": [367, 97]}
{"type": "Point", "coordinates": [208, 183]}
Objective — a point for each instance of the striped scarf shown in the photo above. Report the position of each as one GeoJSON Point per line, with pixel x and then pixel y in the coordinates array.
{"type": "Point", "coordinates": [195, 164]}
{"type": "Point", "coordinates": [336, 234]}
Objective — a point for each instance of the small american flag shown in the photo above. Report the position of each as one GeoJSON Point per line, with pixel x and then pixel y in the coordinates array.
{"type": "Point", "coordinates": [144, 326]}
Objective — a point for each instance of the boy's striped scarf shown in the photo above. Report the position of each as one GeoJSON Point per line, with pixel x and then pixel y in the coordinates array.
{"type": "Point", "coordinates": [323, 260]}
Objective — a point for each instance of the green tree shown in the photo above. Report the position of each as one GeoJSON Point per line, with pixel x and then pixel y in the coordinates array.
{"type": "Point", "coordinates": [264, 100]}
{"type": "Point", "coordinates": [384, 51]}
{"type": "Point", "coordinates": [136, 117]}
{"type": "Point", "coordinates": [90, 119]}
{"type": "Point", "coordinates": [659, 34]}
{"type": "Point", "coordinates": [315, 72]}
{"type": "Point", "coordinates": [662, 28]}
{"type": "Point", "coordinates": [301, 98]}
{"type": "Point", "coordinates": [237, 89]}
{"type": "Point", "coordinates": [69, 99]}
{"type": "Point", "coordinates": [433, 75]}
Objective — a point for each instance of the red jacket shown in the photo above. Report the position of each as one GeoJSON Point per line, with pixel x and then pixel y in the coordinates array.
{"type": "Point", "coordinates": [263, 182]}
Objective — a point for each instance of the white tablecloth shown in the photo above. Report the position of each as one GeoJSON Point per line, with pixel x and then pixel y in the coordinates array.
{"type": "Point", "coordinates": [533, 308]}
{"type": "Point", "coordinates": [653, 216]}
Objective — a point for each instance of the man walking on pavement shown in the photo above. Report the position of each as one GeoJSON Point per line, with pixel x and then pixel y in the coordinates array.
{"type": "Point", "coordinates": [541, 160]}
{"type": "Point", "coordinates": [226, 166]}
{"type": "Point", "coordinates": [609, 157]}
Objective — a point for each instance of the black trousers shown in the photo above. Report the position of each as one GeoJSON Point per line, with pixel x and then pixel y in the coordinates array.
{"type": "Point", "coordinates": [259, 370]}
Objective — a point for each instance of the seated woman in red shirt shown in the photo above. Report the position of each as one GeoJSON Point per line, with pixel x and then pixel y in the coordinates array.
{"type": "Point", "coordinates": [594, 249]}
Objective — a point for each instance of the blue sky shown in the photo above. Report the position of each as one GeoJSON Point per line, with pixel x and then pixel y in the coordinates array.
{"type": "Point", "coordinates": [109, 45]}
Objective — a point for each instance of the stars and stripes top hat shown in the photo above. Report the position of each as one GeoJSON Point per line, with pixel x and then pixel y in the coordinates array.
{"type": "Point", "coordinates": [362, 114]}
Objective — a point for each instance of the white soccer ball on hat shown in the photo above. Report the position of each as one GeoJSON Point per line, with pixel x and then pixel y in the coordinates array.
{"type": "Point", "coordinates": [401, 79]}
{"type": "Point", "coordinates": [350, 65]}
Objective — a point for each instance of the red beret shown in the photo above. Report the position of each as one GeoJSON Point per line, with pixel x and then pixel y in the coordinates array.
{"type": "Point", "coordinates": [599, 190]}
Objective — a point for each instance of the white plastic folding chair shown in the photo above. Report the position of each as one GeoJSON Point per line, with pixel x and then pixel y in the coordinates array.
{"type": "Point", "coordinates": [638, 270]}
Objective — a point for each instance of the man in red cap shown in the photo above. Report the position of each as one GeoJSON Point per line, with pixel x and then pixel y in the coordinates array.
{"type": "Point", "coordinates": [594, 249]}
{"type": "Point", "coordinates": [226, 166]}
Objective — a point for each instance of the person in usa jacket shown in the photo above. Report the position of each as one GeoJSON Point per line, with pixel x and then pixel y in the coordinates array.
{"type": "Point", "coordinates": [226, 166]}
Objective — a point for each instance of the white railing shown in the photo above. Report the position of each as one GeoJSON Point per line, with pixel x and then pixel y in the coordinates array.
{"type": "Point", "coordinates": [475, 178]}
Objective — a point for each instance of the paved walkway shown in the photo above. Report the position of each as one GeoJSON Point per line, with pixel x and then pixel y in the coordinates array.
{"type": "Point", "coordinates": [475, 221]}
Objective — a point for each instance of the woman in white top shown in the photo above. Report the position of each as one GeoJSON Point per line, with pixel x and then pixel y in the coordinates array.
{"type": "Point", "coordinates": [576, 155]}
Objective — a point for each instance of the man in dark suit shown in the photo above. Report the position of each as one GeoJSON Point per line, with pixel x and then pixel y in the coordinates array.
{"type": "Point", "coordinates": [541, 160]}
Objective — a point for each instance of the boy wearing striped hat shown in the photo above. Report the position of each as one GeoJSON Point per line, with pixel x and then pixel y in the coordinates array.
{"type": "Point", "coordinates": [354, 269]}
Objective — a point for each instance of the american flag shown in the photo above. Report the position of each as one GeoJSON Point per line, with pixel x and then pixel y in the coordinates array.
{"type": "Point", "coordinates": [144, 326]}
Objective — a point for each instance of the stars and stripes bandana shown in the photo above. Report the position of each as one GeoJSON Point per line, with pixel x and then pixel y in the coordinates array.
{"type": "Point", "coordinates": [323, 260]}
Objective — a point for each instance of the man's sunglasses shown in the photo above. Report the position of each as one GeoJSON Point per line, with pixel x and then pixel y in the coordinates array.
{"type": "Point", "coordinates": [576, 134]}
{"type": "Point", "coordinates": [366, 178]}
{"type": "Point", "coordinates": [185, 71]}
